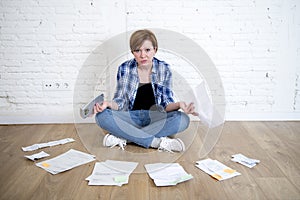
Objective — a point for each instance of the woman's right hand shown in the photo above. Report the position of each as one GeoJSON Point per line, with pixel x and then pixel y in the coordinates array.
{"type": "Point", "coordinates": [100, 107]}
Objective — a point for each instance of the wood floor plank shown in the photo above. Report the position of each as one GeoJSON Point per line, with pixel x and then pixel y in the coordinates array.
{"type": "Point", "coordinates": [278, 188]}
{"type": "Point", "coordinates": [280, 142]}
{"type": "Point", "coordinates": [234, 139]}
{"type": "Point", "coordinates": [266, 140]}
{"type": "Point", "coordinates": [288, 133]}
{"type": "Point", "coordinates": [276, 144]}
{"type": "Point", "coordinates": [237, 138]}
{"type": "Point", "coordinates": [16, 170]}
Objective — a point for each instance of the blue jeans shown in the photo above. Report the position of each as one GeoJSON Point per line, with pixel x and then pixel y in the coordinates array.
{"type": "Point", "coordinates": [142, 126]}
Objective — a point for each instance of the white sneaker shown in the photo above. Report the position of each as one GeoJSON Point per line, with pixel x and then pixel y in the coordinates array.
{"type": "Point", "coordinates": [112, 141]}
{"type": "Point", "coordinates": [171, 145]}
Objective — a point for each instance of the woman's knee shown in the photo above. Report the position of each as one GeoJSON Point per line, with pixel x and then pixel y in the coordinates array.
{"type": "Point", "coordinates": [102, 117]}
{"type": "Point", "coordinates": [184, 121]}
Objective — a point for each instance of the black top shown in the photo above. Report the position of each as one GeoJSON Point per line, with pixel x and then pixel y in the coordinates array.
{"type": "Point", "coordinates": [144, 97]}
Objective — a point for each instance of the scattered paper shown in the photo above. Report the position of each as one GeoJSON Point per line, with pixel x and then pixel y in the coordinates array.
{"type": "Point", "coordinates": [66, 161]}
{"type": "Point", "coordinates": [48, 144]}
{"type": "Point", "coordinates": [166, 174]}
{"type": "Point", "coordinates": [37, 156]}
{"type": "Point", "coordinates": [111, 172]}
{"type": "Point", "coordinates": [216, 169]}
{"type": "Point", "coordinates": [248, 162]}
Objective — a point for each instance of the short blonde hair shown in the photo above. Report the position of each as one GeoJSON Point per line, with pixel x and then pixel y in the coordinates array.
{"type": "Point", "coordinates": [138, 37]}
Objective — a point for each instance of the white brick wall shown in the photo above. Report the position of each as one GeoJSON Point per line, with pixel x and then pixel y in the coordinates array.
{"type": "Point", "coordinates": [255, 46]}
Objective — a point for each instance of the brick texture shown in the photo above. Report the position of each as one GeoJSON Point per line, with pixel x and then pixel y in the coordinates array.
{"type": "Point", "coordinates": [255, 46]}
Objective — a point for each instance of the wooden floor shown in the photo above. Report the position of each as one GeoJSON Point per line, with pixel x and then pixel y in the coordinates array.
{"type": "Point", "coordinates": [275, 144]}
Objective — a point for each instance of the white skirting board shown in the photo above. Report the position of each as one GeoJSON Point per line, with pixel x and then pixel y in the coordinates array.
{"type": "Point", "coordinates": [70, 118]}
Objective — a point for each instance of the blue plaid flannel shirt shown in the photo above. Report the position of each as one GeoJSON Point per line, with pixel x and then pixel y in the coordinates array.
{"type": "Point", "coordinates": [128, 83]}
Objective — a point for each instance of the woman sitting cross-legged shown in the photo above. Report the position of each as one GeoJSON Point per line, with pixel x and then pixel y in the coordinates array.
{"type": "Point", "coordinates": [143, 110]}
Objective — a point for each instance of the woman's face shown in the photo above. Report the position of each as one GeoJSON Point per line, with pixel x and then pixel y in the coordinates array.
{"type": "Point", "coordinates": [144, 55]}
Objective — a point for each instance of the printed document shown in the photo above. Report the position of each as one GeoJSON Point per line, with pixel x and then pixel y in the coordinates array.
{"type": "Point", "coordinates": [166, 174]}
{"type": "Point", "coordinates": [216, 169]}
{"type": "Point", "coordinates": [66, 161]}
{"type": "Point", "coordinates": [111, 172]}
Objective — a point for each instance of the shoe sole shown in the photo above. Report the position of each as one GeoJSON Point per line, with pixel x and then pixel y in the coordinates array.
{"type": "Point", "coordinates": [104, 139]}
{"type": "Point", "coordinates": [88, 109]}
{"type": "Point", "coordinates": [182, 144]}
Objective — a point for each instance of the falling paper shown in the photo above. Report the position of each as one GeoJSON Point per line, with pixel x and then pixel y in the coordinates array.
{"type": "Point", "coordinates": [207, 111]}
{"type": "Point", "coordinates": [111, 172]}
{"type": "Point", "coordinates": [37, 156]}
{"type": "Point", "coordinates": [248, 162]}
{"type": "Point", "coordinates": [216, 169]}
{"type": "Point", "coordinates": [66, 161]}
{"type": "Point", "coordinates": [166, 174]}
{"type": "Point", "coordinates": [48, 144]}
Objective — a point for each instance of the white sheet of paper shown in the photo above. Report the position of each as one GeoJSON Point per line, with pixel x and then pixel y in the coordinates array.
{"type": "Point", "coordinates": [207, 111]}
{"type": "Point", "coordinates": [47, 144]}
{"type": "Point", "coordinates": [37, 156]}
{"type": "Point", "coordinates": [216, 169]}
{"type": "Point", "coordinates": [166, 174]}
{"type": "Point", "coordinates": [66, 161]}
{"type": "Point", "coordinates": [111, 172]}
{"type": "Point", "coordinates": [248, 162]}
{"type": "Point", "coordinates": [103, 175]}
{"type": "Point", "coordinates": [122, 166]}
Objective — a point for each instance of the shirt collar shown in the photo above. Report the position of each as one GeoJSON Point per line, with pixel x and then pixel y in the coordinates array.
{"type": "Point", "coordinates": [133, 64]}
{"type": "Point", "coordinates": [154, 65]}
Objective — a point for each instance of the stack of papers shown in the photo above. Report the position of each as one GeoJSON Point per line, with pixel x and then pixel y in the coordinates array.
{"type": "Point", "coordinates": [66, 161]}
{"type": "Point", "coordinates": [111, 172]}
{"type": "Point", "coordinates": [37, 156]}
{"type": "Point", "coordinates": [48, 144]}
{"type": "Point", "coordinates": [216, 169]}
{"type": "Point", "coordinates": [165, 174]}
{"type": "Point", "coordinates": [248, 162]}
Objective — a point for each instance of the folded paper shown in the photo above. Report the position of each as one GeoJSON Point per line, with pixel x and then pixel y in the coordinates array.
{"type": "Point", "coordinates": [248, 162]}
{"type": "Point", "coordinates": [216, 169]}
{"type": "Point", "coordinates": [48, 144]}
{"type": "Point", "coordinates": [37, 156]}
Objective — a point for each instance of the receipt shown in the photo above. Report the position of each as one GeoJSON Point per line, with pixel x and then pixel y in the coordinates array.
{"type": "Point", "coordinates": [248, 162]}
{"type": "Point", "coordinates": [37, 156]}
{"type": "Point", "coordinates": [48, 144]}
